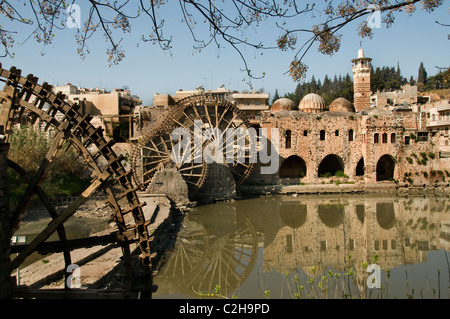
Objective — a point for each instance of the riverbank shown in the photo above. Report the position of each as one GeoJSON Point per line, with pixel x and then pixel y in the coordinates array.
{"type": "Point", "coordinates": [343, 188]}
{"type": "Point", "coordinates": [96, 263]}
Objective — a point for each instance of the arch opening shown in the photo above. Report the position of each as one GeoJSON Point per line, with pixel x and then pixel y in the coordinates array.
{"type": "Point", "coordinates": [331, 165]}
{"type": "Point", "coordinates": [360, 167]}
{"type": "Point", "coordinates": [331, 215]}
{"type": "Point", "coordinates": [294, 167]}
{"type": "Point", "coordinates": [293, 216]}
{"type": "Point", "coordinates": [385, 168]}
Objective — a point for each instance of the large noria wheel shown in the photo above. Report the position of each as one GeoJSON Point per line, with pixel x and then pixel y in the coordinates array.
{"type": "Point", "coordinates": [23, 97]}
{"type": "Point", "coordinates": [210, 116]}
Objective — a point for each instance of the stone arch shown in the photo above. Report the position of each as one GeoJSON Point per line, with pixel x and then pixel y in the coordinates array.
{"type": "Point", "coordinates": [331, 215]}
{"type": "Point", "coordinates": [330, 165]}
{"type": "Point", "coordinates": [293, 216]}
{"type": "Point", "coordinates": [293, 166]}
{"type": "Point", "coordinates": [386, 215]}
{"type": "Point", "coordinates": [360, 168]}
{"type": "Point", "coordinates": [385, 168]}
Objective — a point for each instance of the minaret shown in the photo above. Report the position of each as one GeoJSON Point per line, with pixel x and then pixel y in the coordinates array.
{"type": "Point", "coordinates": [361, 81]}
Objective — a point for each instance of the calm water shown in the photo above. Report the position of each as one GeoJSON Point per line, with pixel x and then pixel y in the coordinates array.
{"type": "Point", "coordinates": [312, 246]}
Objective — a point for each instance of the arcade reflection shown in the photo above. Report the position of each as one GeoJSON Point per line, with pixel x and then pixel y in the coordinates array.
{"type": "Point", "coordinates": [248, 246]}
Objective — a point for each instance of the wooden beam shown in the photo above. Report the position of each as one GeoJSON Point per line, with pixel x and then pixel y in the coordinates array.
{"type": "Point", "coordinates": [67, 245]}
{"type": "Point", "coordinates": [69, 211]}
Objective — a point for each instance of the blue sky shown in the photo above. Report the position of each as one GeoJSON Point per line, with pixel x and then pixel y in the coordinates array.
{"type": "Point", "coordinates": [146, 69]}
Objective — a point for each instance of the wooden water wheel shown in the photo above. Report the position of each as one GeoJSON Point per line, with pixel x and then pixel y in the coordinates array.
{"type": "Point", "coordinates": [213, 117]}
{"type": "Point", "coordinates": [22, 97]}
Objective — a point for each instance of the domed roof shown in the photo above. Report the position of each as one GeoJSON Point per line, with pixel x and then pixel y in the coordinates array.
{"type": "Point", "coordinates": [312, 103]}
{"type": "Point", "coordinates": [283, 104]}
{"type": "Point", "coordinates": [341, 104]}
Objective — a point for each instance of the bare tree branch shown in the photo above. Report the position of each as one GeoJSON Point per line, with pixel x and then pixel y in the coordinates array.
{"type": "Point", "coordinates": [225, 22]}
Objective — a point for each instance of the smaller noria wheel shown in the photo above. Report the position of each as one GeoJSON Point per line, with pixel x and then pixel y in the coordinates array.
{"type": "Point", "coordinates": [155, 153]}
{"type": "Point", "coordinates": [198, 113]}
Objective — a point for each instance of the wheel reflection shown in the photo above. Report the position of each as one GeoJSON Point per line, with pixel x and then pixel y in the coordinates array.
{"type": "Point", "coordinates": [201, 259]}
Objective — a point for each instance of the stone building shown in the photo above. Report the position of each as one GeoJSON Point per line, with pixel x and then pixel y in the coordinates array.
{"type": "Point", "coordinates": [405, 97]}
{"type": "Point", "coordinates": [438, 120]}
{"type": "Point", "coordinates": [113, 110]}
{"type": "Point", "coordinates": [354, 142]}
{"type": "Point", "coordinates": [342, 142]}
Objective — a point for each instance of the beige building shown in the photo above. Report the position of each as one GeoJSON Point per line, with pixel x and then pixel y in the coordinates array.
{"type": "Point", "coordinates": [251, 103]}
{"type": "Point", "coordinates": [438, 120]}
{"type": "Point", "coordinates": [406, 97]}
{"type": "Point", "coordinates": [113, 110]}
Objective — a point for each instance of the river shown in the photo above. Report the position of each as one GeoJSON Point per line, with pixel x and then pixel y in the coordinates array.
{"type": "Point", "coordinates": [314, 246]}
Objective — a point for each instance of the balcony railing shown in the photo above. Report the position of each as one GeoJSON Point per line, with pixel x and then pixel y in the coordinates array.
{"type": "Point", "coordinates": [438, 123]}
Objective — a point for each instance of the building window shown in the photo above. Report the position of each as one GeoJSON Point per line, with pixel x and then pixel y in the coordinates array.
{"type": "Point", "coordinates": [375, 138]}
{"type": "Point", "coordinates": [384, 137]}
{"type": "Point", "coordinates": [288, 139]}
{"type": "Point", "coordinates": [336, 132]}
{"type": "Point", "coordinates": [422, 136]}
{"type": "Point", "coordinates": [350, 135]}
{"type": "Point", "coordinates": [392, 137]}
{"type": "Point", "coordinates": [322, 135]}
{"type": "Point", "coordinates": [305, 133]}
{"type": "Point", "coordinates": [433, 117]}
{"type": "Point", "coordinates": [407, 140]}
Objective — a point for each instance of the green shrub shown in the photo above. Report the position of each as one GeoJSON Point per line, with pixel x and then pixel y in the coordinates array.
{"type": "Point", "coordinates": [340, 173]}
{"type": "Point", "coordinates": [66, 175]}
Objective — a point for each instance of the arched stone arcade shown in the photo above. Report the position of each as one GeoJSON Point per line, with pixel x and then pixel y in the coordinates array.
{"type": "Point", "coordinates": [330, 165]}
{"type": "Point", "coordinates": [293, 167]}
{"type": "Point", "coordinates": [385, 168]}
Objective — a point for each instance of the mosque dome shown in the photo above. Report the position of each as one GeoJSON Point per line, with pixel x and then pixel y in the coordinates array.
{"type": "Point", "coordinates": [312, 103]}
{"type": "Point", "coordinates": [341, 104]}
{"type": "Point", "coordinates": [283, 104]}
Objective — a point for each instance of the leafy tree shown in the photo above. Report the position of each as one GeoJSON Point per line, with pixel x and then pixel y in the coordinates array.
{"type": "Point", "coordinates": [329, 90]}
{"type": "Point", "coordinates": [66, 174]}
{"type": "Point", "coordinates": [439, 81]}
{"type": "Point", "coordinates": [226, 23]}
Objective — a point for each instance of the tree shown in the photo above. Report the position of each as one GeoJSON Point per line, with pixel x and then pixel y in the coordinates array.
{"type": "Point", "coordinates": [276, 96]}
{"type": "Point", "coordinates": [226, 23]}
{"type": "Point", "coordinates": [422, 74]}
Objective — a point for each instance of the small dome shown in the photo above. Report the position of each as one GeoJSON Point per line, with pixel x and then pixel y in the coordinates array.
{"type": "Point", "coordinates": [312, 103]}
{"type": "Point", "coordinates": [341, 104]}
{"type": "Point", "coordinates": [283, 104]}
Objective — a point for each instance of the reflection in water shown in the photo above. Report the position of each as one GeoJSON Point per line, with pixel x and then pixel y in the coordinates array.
{"type": "Point", "coordinates": [248, 246]}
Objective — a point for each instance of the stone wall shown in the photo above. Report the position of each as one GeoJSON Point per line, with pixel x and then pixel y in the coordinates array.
{"type": "Point", "coordinates": [5, 227]}
{"type": "Point", "coordinates": [383, 144]}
